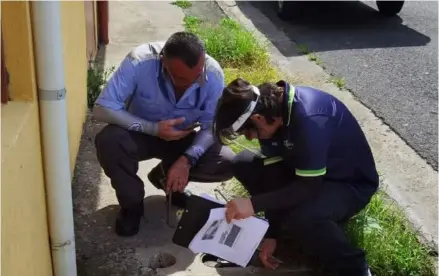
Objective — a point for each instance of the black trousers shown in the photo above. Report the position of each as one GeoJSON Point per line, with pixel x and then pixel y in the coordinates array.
{"type": "Point", "coordinates": [314, 226]}
{"type": "Point", "coordinates": [119, 152]}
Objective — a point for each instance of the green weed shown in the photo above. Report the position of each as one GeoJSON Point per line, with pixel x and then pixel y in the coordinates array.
{"type": "Point", "coordinates": [184, 4]}
{"type": "Point", "coordinates": [339, 82]}
{"type": "Point", "coordinates": [96, 80]}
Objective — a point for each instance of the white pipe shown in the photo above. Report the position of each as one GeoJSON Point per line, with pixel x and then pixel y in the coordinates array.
{"type": "Point", "coordinates": [46, 19]}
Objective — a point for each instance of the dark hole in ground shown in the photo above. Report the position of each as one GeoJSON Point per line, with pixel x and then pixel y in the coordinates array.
{"type": "Point", "coordinates": [215, 262]}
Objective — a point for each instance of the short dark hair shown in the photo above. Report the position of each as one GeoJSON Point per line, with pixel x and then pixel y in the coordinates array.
{"type": "Point", "coordinates": [235, 100]}
{"type": "Point", "coordinates": [185, 46]}
{"type": "Point", "coordinates": [270, 103]}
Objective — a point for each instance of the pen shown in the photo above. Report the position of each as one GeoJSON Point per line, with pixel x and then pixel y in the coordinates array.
{"type": "Point", "coordinates": [221, 194]}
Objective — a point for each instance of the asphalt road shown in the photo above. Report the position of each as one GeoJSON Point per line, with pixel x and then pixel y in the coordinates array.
{"type": "Point", "coordinates": [390, 64]}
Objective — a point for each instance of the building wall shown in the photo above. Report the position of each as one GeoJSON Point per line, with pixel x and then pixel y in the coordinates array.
{"type": "Point", "coordinates": [25, 239]}
{"type": "Point", "coordinates": [75, 70]}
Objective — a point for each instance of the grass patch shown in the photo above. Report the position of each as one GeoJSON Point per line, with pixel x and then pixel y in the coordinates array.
{"type": "Point", "coordinates": [253, 75]}
{"type": "Point", "coordinates": [339, 82]}
{"type": "Point", "coordinates": [184, 4]}
{"type": "Point", "coordinates": [391, 244]}
{"type": "Point", "coordinates": [303, 49]}
{"type": "Point", "coordinates": [314, 58]}
{"type": "Point", "coordinates": [381, 229]}
{"type": "Point", "coordinates": [96, 80]}
{"type": "Point", "coordinates": [229, 43]}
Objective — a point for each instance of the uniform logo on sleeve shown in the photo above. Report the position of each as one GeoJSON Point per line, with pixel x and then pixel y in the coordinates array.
{"type": "Point", "coordinates": [136, 127]}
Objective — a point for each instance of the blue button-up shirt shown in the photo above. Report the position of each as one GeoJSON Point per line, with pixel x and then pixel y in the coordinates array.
{"type": "Point", "coordinates": [141, 80]}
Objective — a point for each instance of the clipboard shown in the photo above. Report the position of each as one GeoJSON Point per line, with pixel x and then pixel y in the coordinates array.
{"type": "Point", "coordinates": [193, 219]}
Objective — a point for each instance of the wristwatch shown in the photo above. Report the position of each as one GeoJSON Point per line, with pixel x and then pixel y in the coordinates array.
{"type": "Point", "coordinates": [191, 159]}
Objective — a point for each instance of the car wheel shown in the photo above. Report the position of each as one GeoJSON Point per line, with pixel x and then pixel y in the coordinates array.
{"type": "Point", "coordinates": [390, 8]}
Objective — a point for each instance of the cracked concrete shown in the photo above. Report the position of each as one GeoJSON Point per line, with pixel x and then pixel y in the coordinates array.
{"type": "Point", "coordinates": [99, 250]}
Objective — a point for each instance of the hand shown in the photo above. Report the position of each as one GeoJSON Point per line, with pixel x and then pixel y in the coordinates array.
{"type": "Point", "coordinates": [178, 175]}
{"type": "Point", "coordinates": [167, 131]}
{"type": "Point", "coordinates": [239, 208]}
{"type": "Point", "coordinates": [266, 254]}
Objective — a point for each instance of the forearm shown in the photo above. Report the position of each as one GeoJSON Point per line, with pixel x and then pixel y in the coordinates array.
{"type": "Point", "coordinates": [275, 220]}
{"type": "Point", "coordinates": [124, 119]}
{"type": "Point", "coordinates": [287, 197]}
{"type": "Point", "coordinates": [202, 142]}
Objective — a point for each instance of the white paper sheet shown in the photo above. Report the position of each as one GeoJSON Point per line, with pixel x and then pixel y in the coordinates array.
{"type": "Point", "coordinates": [235, 242]}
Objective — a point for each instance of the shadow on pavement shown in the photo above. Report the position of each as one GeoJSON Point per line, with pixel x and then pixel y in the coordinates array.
{"type": "Point", "coordinates": [330, 26]}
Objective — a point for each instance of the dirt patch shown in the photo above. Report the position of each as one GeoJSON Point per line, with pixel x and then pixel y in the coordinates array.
{"type": "Point", "coordinates": [159, 260]}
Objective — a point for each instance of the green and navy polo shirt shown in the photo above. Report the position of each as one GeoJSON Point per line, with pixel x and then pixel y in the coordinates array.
{"type": "Point", "coordinates": [320, 137]}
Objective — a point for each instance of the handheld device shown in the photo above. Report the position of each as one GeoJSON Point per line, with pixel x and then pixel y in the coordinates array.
{"type": "Point", "coordinates": [194, 125]}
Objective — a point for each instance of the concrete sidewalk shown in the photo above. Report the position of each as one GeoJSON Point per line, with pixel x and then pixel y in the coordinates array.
{"type": "Point", "coordinates": [99, 250]}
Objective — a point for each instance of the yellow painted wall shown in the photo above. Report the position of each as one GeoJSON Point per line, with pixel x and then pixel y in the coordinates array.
{"type": "Point", "coordinates": [17, 37]}
{"type": "Point", "coordinates": [25, 240]}
{"type": "Point", "coordinates": [75, 69]}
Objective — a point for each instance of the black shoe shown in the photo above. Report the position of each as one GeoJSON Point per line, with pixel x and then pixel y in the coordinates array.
{"type": "Point", "coordinates": [128, 220]}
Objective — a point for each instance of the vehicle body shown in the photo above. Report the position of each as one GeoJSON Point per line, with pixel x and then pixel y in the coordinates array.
{"type": "Point", "coordinates": [285, 9]}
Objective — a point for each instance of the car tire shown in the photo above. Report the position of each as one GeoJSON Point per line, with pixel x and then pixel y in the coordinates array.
{"type": "Point", "coordinates": [390, 8]}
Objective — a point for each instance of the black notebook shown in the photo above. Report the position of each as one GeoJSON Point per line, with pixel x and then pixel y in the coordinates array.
{"type": "Point", "coordinates": [193, 219]}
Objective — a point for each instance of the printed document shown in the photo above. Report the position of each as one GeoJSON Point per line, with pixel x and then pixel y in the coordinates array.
{"type": "Point", "coordinates": [235, 242]}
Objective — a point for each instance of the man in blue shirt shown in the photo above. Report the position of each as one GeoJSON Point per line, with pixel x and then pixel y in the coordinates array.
{"type": "Point", "coordinates": [151, 104]}
{"type": "Point", "coordinates": [314, 172]}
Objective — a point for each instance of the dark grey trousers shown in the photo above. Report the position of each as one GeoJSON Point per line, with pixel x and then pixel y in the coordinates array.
{"type": "Point", "coordinates": [119, 152]}
{"type": "Point", "coordinates": [314, 226]}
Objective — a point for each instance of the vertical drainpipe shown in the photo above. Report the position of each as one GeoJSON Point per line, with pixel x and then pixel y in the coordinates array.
{"type": "Point", "coordinates": [46, 19]}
